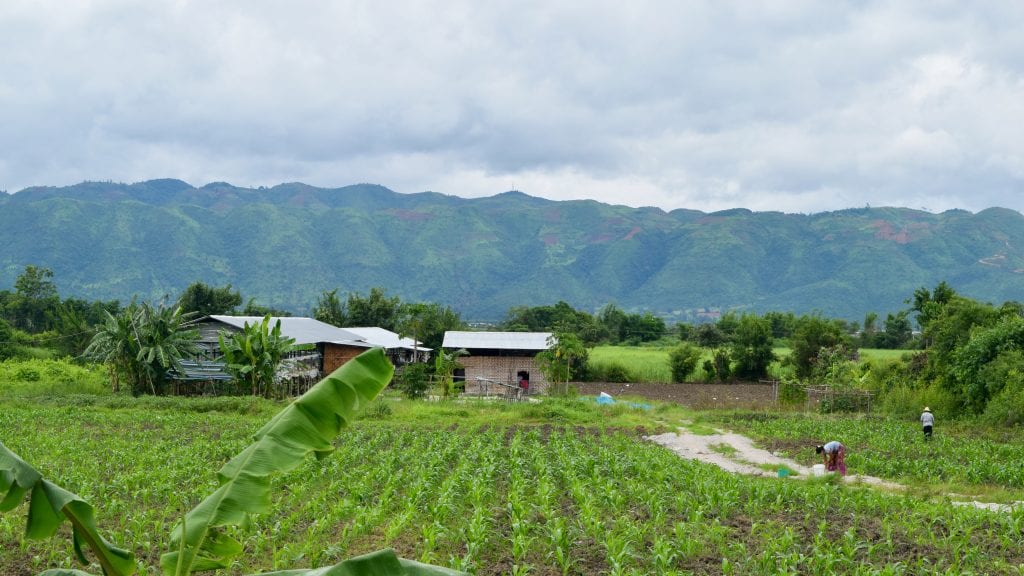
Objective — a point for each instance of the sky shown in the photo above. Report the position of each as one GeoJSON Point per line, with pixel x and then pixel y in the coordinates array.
{"type": "Point", "coordinates": [788, 105]}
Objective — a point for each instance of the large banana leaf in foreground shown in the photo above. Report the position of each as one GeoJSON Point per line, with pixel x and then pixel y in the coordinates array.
{"type": "Point", "coordinates": [379, 563]}
{"type": "Point", "coordinates": [308, 425]}
{"type": "Point", "coordinates": [50, 505]}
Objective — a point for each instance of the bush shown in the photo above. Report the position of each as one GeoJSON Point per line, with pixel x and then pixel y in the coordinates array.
{"type": "Point", "coordinates": [721, 364]}
{"type": "Point", "coordinates": [845, 403]}
{"type": "Point", "coordinates": [906, 402]}
{"type": "Point", "coordinates": [1007, 407]}
{"type": "Point", "coordinates": [682, 361]}
{"type": "Point", "coordinates": [40, 377]}
{"type": "Point", "coordinates": [414, 380]}
{"type": "Point", "coordinates": [615, 372]}
{"type": "Point", "coordinates": [792, 392]}
{"type": "Point", "coordinates": [379, 409]}
{"type": "Point", "coordinates": [26, 374]}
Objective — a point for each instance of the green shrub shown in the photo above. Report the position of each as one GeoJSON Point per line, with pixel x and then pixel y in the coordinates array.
{"type": "Point", "coordinates": [615, 372]}
{"type": "Point", "coordinates": [35, 377]}
{"type": "Point", "coordinates": [414, 380]}
{"type": "Point", "coordinates": [792, 392]}
{"type": "Point", "coordinates": [682, 361]}
{"type": "Point", "coordinates": [906, 402]}
{"type": "Point", "coordinates": [378, 410]}
{"type": "Point", "coordinates": [845, 403]}
{"type": "Point", "coordinates": [26, 374]}
{"type": "Point", "coordinates": [1007, 407]}
{"type": "Point", "coordinates": [721, 364]}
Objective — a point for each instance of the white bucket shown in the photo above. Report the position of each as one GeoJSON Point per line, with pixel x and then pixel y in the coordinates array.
{"type": "Point", "coordinates": [818, 470]}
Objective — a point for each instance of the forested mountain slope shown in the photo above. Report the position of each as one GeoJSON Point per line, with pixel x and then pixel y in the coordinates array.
{"type": "Point", "coordinates": [287, 244]}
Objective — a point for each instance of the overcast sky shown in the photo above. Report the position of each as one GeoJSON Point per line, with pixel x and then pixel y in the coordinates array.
{"type": "Point", "coordinates": [779, 105]}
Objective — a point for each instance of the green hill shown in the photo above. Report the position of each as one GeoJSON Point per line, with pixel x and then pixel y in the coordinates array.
{"type": "Point", "coordinates": [287, 244]}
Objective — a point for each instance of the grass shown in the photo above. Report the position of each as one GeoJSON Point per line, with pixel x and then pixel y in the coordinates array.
{"type": "Point", "coordinates": [650, 363]}
{"type": "Point", "coordinates": [42, 377]}
{"type": "Point", "coordinates": [726, 449]}
{"type": "Point", "coordinates": [643, 364]}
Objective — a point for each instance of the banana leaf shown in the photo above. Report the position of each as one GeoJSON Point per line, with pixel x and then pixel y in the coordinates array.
{"type": "Point", "coordinates": [308, 425]}
{"type": "Point", "coordinates": [49, 505]}
{"type": "Point", "coordinates": [380, 563]}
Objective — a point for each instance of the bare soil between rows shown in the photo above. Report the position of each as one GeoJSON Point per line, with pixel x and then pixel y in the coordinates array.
{"type": "Point", "coordinates": [693, 395]}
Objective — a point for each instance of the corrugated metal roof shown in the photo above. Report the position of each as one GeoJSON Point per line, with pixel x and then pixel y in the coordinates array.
{"type": "Point", "coordinates": [384, 338]}
{"type": "Point", "coordinates": [304, 330]}
{"type": "Point", "coordinates": [311, 331]}
{"type": "Point", "coordinates": [497, 340]}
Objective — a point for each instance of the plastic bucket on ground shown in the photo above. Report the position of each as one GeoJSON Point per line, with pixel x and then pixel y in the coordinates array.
{"type": "Point", "coordinates": [818, 470]}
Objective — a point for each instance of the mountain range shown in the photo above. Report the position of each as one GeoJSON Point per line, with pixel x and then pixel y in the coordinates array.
{"type": "Point", "coordinates": [288, 244]}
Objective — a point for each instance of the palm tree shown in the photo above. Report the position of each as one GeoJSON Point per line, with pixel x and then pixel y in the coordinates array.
{"type": "Point", "coordinates": [142, 344]}
{"type": "Point", "coordinates": [115, 345]}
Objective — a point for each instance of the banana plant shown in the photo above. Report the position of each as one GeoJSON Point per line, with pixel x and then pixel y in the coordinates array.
{"type": "Point", "coordinates": [306, 427]}
{"type": "Point", "coordinates": [49, 505]}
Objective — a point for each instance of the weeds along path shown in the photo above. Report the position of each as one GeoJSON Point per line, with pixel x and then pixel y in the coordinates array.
{"type": "Point", "coordinates": [737, 453]}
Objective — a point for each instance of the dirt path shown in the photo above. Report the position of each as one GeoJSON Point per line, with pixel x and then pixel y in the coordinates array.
{"type": "Point", "coordinates": [737, 453]}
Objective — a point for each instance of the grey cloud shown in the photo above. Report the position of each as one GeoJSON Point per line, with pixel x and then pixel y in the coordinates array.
{"type": "Point", "coordinates": [806, 105]}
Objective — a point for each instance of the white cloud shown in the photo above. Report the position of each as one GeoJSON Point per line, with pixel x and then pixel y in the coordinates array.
{"type": "Point", "coordinates": [794, 105]}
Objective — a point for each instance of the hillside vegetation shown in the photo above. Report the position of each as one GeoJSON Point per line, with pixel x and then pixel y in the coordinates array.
{"type": "Point", "coordinates": [482, 256]}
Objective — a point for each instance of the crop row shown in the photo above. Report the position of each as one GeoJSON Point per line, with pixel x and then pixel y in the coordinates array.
{"type": "Point", "coordinates": [491, 500]}
{"type": "Point", "coordinates": [897, 450]}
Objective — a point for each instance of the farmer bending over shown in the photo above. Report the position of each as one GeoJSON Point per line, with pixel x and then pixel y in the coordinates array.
{"type": "Point", "coordinates": [835, 456]}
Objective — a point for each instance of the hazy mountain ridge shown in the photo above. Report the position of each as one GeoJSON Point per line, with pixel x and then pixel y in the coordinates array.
{"type": "Point", "coordinates": [286, 244]}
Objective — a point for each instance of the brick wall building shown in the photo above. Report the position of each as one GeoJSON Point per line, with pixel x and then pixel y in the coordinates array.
{"type": "Point", "coordinates": [505, 357]}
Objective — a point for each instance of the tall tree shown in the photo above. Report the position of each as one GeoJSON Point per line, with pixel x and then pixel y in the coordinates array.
{"type": "Point", "coordinates": [427, 322]}
{"type": "Point", "coordinates": [7, 345]}
{"type": "Point", "coordinates": [751, 347]}
{"type": "Point", "coordinates": [376, 309]}
{"type": "Point", "coordinates": [896, 332]}
{"type": "Point", "coordinates": [201, 300]}
{"type": "Point", "coordinates": [330, 309]}
{"type": "Point", "coordinates": [709, 336]}
{"type": "Point", "coordinates": [35, 297]}
{"type": "Point", "coordinates": [254, 309]}
{"type": "Point", "coordinates": [813, 334]}
{"type": "Point", "coordinates": [565, 359]}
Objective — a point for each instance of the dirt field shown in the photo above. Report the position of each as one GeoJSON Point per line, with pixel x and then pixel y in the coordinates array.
{"type": "Point", "coordinates": [693, 395]}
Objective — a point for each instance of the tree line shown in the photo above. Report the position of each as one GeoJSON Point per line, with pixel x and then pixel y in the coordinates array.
{"type": "Point", "coordinates": [966, 357]}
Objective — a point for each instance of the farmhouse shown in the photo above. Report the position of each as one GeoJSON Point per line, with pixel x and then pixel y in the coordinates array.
{"type": "Point", "coordinates": [506, 357]}
{"type": "Point", "coordinates": [322, 348]}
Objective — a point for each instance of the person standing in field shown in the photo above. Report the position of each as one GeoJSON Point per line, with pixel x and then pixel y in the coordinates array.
{"type": "Point", "coordinates": [927, 421]}
{"type": "Point", "coordinates": [835, 456]}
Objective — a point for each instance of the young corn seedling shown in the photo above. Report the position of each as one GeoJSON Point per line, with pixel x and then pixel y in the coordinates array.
{"type": "Point", "coordinates": [203, 541]}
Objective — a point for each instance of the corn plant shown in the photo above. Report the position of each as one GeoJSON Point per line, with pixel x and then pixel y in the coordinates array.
{"type": "Point", "coordinates": [201, 541]}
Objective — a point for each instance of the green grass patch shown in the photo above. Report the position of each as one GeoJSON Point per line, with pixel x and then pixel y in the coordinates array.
{"type": "Point", "coordinates": [42, 377]}
{"type": "Point", "coordinates": [725, 449]}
